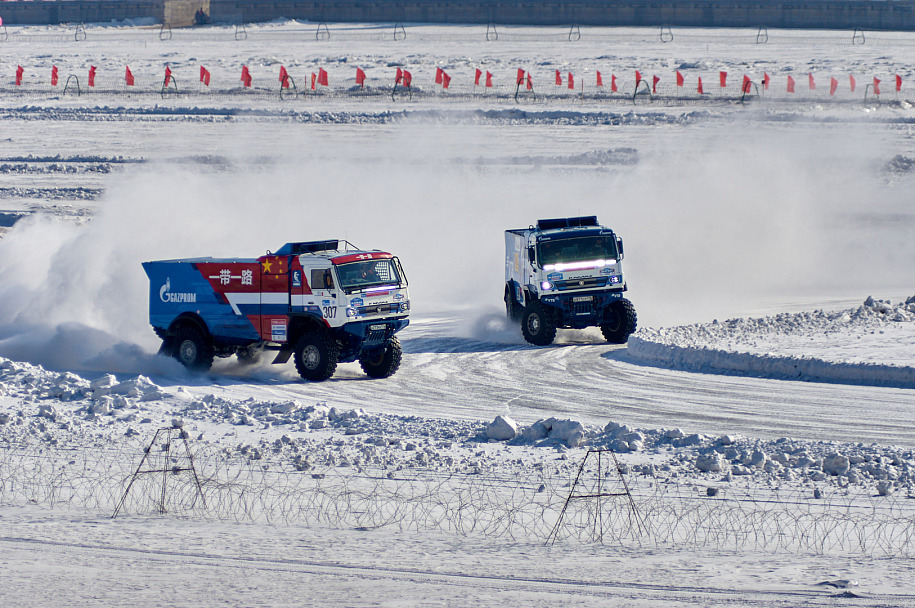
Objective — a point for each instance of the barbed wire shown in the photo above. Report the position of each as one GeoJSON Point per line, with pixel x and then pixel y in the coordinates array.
{"type": "Point", "coordinates": [658, 513]}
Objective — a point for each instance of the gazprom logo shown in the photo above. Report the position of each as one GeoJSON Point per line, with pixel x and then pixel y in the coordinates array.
{"type": "Point", "coordinates": [166, 295]}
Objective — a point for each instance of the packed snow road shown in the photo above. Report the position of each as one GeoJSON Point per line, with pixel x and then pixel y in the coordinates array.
{"type": "Point", "coordinates": [446, 375]}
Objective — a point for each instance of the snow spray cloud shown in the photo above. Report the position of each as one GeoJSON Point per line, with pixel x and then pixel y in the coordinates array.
{"type": "Point", "coordinates": [736, 215]}
{"type": "Point", "coordinates": [717, 223]}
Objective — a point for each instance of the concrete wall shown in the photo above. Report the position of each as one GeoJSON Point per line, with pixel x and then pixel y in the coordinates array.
{"type": "Point", "coordinates": [182, 13]}
{"type": "Point", "coordinates": [823, 14]}
{"type": "Point", "coordinates": [77, 11]}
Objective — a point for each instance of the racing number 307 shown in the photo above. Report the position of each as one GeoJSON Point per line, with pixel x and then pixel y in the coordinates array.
{"type": "Point", "coordinates": [330, 312]}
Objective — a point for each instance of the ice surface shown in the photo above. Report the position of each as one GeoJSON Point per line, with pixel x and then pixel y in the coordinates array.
{"type": "Point", "coordinates": [778, 218]}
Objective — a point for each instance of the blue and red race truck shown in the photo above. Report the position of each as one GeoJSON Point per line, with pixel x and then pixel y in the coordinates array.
{"type": "Point", "coordinates": [322, 301]}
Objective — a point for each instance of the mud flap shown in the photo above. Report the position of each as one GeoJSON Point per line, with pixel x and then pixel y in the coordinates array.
{"type": "Point", "coordinates": [282, 356]}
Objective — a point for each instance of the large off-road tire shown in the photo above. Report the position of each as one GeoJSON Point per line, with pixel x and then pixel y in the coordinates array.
{"type": "Point", "coordinates": [537, 326]}
{"type": "Point", "coordinates": [513, 310]}
{"type": "Point", "coordinates": [385, 363]}
{"type": "Point", "coordinates": [619, 322]}
{"type": "Point", "coordinates": [316, 356]}
{"type": "Point", "coordinates": [192, 348]}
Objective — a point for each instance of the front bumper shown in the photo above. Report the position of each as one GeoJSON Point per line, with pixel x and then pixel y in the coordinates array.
{"type": "Point", "coordinates": [580, 309]}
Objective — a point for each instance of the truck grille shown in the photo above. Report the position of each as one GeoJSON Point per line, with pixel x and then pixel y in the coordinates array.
{"type": "Point", "coordinates": [582, 308]}
{"type": "Point", "coordinates": [378, 309]}
{"type": "Point", "coordinates": [585, 283]}
{"type": "Point", "coordinates": [376, 335]}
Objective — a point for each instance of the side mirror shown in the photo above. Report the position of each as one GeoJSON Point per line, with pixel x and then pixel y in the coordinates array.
{"type": "Point", "coordinates": [530, 255]}
{"type": "Point", "coordinates": [619, 246]}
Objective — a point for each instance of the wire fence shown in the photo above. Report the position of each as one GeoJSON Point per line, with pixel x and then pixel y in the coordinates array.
{"type": "Point", "coordinates": [602, 505]}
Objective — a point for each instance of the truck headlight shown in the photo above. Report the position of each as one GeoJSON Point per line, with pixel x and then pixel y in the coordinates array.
{"type": "Point", "coordinates": [546, 286]}
{"type": "Point", "coordinates": [615, 278]}
{"type": "Point", "coordinates": [405, 306]}
{"type": "Point", "coordinates": [350, 312]}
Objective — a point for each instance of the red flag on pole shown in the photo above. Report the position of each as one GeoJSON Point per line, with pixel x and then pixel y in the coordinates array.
{"type": "Point", "coordinates": [723, 78]}
{"type": "Point", "coordinates": [638, 78]}
{"type": "Point", "coordinates": [654, 84]}
{"type": "Point", "coordinates": [91, 75]}
{"type": "Point", "coordinates": [438, 75]}
{"type": "Point", "coordinates": [679, 79]}
{"type": "Point", "coordinates": [203, 73]}
{"type": "Point", "coordinates": [284, 76]}
{"type": "Point", "coordinates": [699, 88]}
{"type": "Point", "coordinates": [600, 81]}
{"type": "Point", "coordinates": [18, 75]}
{"type": "Point", "coordinates": [407, 78]}
{"type": "Point", "coordinates": [488, 78]}
{"type": "Point", "coordinates": [360, 77]}
{"type": "Point", "coordinates": [765, 81]}
{"type": "Point", "coordinates": [558, 78]}
{"type": "Point", "coordinates": [314, 79]}
{"type": "Point", "coordinates": [168, 75]}
{"type": "Point", "coordinates": [446, 80]}
{"type": "Point", "coordinates": [530, 81]}
{"type": "Point", "coordinates": [54, 76]}
{"type": "Point", "coordinates": [833, 85]}
{"type": "Point", "coordinates": [898, 83]}
{"type": "Point", "coordinates": [476, 78]}
{"type": "Point", "coordinates": [128, 76]}
{"type": "Point", "coordinates": [613, 87]}
{"type": "Point", "coordinates": [520, 77]}
{"type": "Point", "coordinates": [398, 77]}
{"type": "Point", "coordinates": [322, 77]}
{"type": "Point", "coordinates": [876, 86]}
{"type": "Point", "coordinates": [571, 81]}
{"type": "Point", "coordinates": [851, 82]}
{"type": "Point", "coordinates": [790, 84]}
{"type": "Point", "coordinates": [245, 76]}
{"type": "Point", "coordinates": [811, 82]}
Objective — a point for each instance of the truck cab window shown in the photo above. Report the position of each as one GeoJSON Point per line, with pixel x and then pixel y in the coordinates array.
{"type": "Point", "coordinates": [321, 278]}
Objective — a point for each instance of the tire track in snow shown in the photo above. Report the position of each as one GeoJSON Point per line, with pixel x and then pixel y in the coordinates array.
{"type": "Point", "coordinates": [595, 383]}
{"type": "Point", "coordinates": [537, 588]}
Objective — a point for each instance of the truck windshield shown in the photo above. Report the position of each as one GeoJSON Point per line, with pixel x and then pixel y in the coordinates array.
{"type": "Point", "coordinates": [368, 274]}
{"type": "Point", "coordinates": [577, 250]}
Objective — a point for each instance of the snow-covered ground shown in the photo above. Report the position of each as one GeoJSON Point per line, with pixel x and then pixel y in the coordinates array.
{"type": "Point", "coordinates": [762, 417]}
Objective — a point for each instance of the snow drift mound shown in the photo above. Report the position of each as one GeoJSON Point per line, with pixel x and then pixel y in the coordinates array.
{"type": "Point", "coordinates": [873, 344]}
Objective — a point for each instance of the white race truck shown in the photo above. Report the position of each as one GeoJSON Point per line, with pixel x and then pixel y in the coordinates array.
{"type": "Point", "coordinates": [567, 272]}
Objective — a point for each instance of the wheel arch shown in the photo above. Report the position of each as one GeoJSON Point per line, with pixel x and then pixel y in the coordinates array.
{"type": "Point", "coordinates": [302, 324]}
{"type": "Point", "coordinates": [188, 319]}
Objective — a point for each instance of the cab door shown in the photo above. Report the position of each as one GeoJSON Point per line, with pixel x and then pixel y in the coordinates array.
{"type": "Point", "coordinates": [325, 289]}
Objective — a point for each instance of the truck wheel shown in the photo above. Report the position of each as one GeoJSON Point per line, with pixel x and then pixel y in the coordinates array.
{"type": "Point", "coordinates": [316, 356]}
{"type": "Point", "coordinates": [619, 322]}
{"type": "Point", "coordinates": [537, 326]}
{"type": "Point", "coordinates": [192, 349]}
{"type": "Point", "coordinates": [385, 363]}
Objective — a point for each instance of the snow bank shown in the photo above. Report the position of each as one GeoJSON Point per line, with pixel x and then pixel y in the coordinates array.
{"type": "Point", "coordinates": [873, 344]}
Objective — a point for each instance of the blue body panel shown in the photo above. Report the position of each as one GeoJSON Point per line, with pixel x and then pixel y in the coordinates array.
{"type": "Point", "coordinates": [177, 287]}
